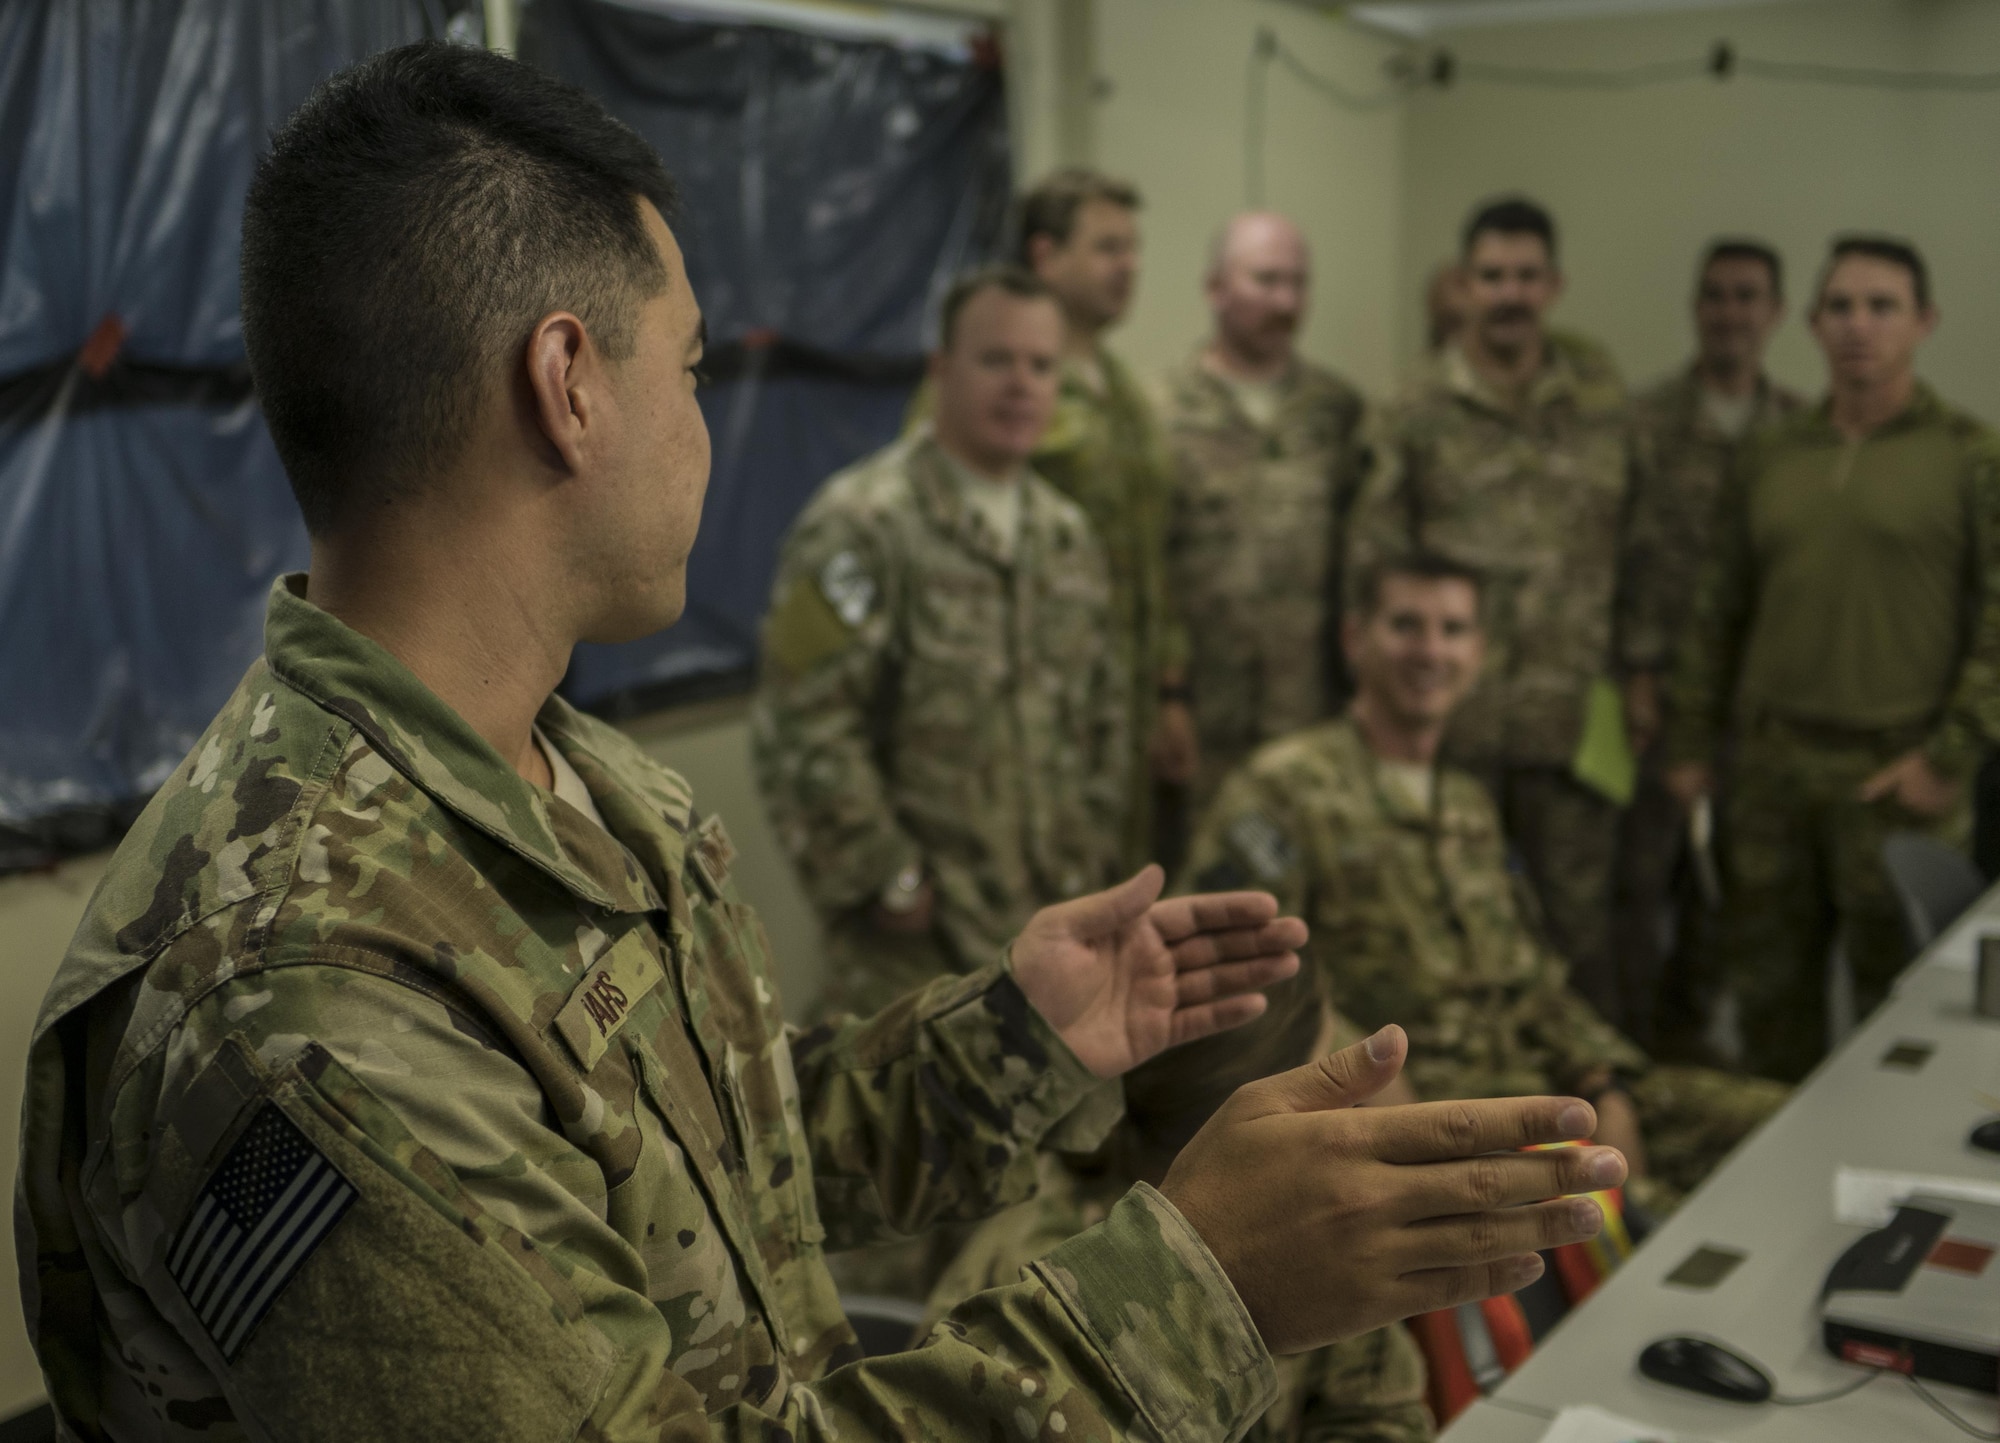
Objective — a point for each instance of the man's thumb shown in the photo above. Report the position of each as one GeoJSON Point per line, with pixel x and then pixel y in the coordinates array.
{"type": "Point", "coordinates": [1346, 1078]}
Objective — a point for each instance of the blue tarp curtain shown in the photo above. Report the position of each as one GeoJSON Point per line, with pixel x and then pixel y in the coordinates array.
{"type": "Point", "coordinates": [832, 186]}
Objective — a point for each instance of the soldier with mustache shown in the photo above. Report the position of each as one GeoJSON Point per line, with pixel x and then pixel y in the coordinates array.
{"type": "Point", "coordinates": [1513, 453]}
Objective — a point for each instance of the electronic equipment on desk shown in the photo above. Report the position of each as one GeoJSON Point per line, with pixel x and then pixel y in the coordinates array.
{"type": "Point", "coordinates": [1921, 1296]}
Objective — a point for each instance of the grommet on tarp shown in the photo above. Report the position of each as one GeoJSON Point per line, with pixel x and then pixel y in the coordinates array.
{"type": "Point", "coordinates": [105, 342]}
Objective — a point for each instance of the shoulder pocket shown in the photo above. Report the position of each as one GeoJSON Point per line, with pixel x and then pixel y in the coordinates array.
{"type": "Point", "coordinates": [329, 1268]}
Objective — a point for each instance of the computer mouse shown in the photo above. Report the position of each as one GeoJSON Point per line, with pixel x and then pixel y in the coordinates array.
{"type": "Point", "coordinates": [1986, 1136]}
{"type": "Point", "coordinates": [1705, 1367]}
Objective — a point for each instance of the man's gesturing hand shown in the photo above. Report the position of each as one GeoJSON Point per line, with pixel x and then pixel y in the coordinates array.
{"type": "Point", "coordinates": [1332, 1219]}
{"type": "Point", "coordinates": [1122, 975]}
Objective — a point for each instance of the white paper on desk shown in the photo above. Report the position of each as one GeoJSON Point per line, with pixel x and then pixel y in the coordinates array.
{"type": "Point", "coordinates": [1584, 1423]}
{"type": "Point", "coordinates": [1868, 1197]}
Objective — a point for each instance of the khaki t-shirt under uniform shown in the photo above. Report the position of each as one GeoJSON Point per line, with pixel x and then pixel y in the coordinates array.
{"type": "Point", "coordinates": [1853, 583]}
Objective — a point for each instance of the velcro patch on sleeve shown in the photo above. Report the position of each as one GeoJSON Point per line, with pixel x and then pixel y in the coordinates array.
{"type": "Point", "coordinates": [270, 1202]}
{"type": "Point", "coordinates": [804, 629]}
{"type": "Point", "coordinates": [602, 1002]}
{"type": "Point", "coordinates": [1257, 840]}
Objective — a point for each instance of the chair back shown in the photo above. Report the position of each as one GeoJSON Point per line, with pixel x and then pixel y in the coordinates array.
{"type": "Point", "coordinates": [1934, 883]}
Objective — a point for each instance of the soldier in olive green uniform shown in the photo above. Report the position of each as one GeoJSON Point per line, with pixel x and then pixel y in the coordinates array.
{"type": "Point", "coordinates": [1267, 451]}
{"type": "Point", "coordinates": [1513, 452]}
{"type": "Point", "coordinates": [1399, 866]}
{"type": "Point", "coordinates": [1847, 633]}
{"type": "Point", "coordinates": [1691, 423]}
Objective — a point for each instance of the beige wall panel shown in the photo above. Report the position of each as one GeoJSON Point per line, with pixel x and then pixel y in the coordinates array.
{"type": "Point", "coordinates": [1171, 118]}
{"type": "Point", "coordinates": [1640, 179]}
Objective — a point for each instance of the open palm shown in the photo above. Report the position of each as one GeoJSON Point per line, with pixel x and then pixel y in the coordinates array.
{"type": "Point", "coordinates": [1122, 975]}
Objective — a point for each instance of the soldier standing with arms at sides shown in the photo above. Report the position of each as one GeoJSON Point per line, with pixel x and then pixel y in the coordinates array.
{"type": "Point", "coordinates": [940, 723]}
{"type": "Point", "coordinates": [1512, 453]}
{"type": "Point", "coordinates": [1080, 235]}
{"type": "Point", "coordinates": [417, 1071]}
{"type": "Point", "coordinates": [1267, 459]}
{"type": "Point", "coordinates": [1693, 423]}
{"type": "Point", "coordinates": [1846, 636]}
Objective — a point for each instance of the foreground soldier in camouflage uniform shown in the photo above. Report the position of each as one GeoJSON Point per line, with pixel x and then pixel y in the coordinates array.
{"type": "Point", "coordinates": [1847, 633]}
{"type": "Point", "coordinates": [941, 719]}
{"type": "Point", "coordinates": [1691, 425]}
{"type": "Point", "coordinates": [1267, 452]}
{"type": "Point", "coordinates": [416, 1071]}
{"type": "Point", "coordinates": [1513, 453]}
{"type": "Point", "coordinates": [1398, 865]}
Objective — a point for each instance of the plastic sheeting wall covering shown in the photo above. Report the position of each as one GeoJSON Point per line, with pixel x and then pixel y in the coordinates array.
{"type": "Point", "coordinates": [831, 190]}
{"type": "Point", "coordinates": [143, 512]}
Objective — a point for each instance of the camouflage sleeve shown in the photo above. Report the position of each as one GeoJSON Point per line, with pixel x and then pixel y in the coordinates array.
{"type": "Point", "coordinates": [1970, 725]}
{"type": "Point", "coordinates": [1110, 726]}
{"type": "Point", "coordinates": [1703, 687]}
{"type": "Point", "coordinates": [1639, 623]}
{"type": "Point", "coordinates": [1172, 647]}
{"type": "Point", "coordinates": [932, 1109]}
{"type": "Point", "coordinates": [1383, 521]}
{"type": "Point", "coordinates": [827, 643]}
{"type": "Point", "coordinates": [498, 1302]}
{"type": "Point", "coordinates": [1572, 1033]}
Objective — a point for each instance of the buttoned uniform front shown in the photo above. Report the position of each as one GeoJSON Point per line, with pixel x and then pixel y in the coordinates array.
{"type": "Point", "coordinates": [1669, 539]}
{"type": "Point", "coordinates": [936, 696]}
{"type": "Point", "coordinates": [1254, 544]}
{"type": "Point", "coordinates": [1417, 919]}
{"type": "Point", "coordinates": [1849, 614]}
{"type": "Point", "coordinates": [1537, 498]}
{"type": "Point", "coordinates": [591, 1170]}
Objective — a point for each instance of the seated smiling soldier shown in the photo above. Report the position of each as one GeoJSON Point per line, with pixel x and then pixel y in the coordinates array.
{"type": "Point", "coordinates": [1398, 864]}
{"type": "Point", "coordinates": [416, 1071]}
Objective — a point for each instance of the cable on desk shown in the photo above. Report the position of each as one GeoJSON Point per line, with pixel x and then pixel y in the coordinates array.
{"type": "Point", "coordinates": [1937, 1406]}
{"type": "Point", "coordinates": [1832, 1393]}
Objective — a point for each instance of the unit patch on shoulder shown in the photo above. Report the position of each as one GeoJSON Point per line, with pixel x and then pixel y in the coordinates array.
{"type": "Point", "coordinates": [849, 590]}
{"type": "Point", "coordinates": [1257, 840]}
{"type": "Point", "coordinates": [268, 1205]}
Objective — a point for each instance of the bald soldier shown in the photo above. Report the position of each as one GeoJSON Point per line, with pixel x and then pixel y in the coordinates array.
{"type": "Point", "coordinates": [1694, 422]}
{"type": "Point", "coordinates": [418, 1071]}
{"type": "Point", "coordinates": [1846, 640]}
{"type": "Point", "coordinates": [1267, 459]}
{"type": "Point", "coordinates": [1512, 452]}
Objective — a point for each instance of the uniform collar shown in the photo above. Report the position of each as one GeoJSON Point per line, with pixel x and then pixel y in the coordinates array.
{"type": "Point", "coordinates": [943, 504]}
{"type": "Point", "coordinates": [1924, 409]}
{"type": "Point", "coordinates": [1689, 393]}
{"type": "Point", "coordinates": [424, 739]}
{"type": "Point", "coordinates": [1209, 390]}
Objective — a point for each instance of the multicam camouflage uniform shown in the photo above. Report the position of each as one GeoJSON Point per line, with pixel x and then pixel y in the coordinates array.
{"type": "Point", "coordinates": [1103, 450]}
{"type": "Point", "coordinates": [1253, 550]}
{"type": "Point", "coordinates": [1669, 539]}
{"type": "Point", "coordinates": [1536, 499]}
{"type": "Point", "coordinates": [569, 1174]}
{"type": "Point", "coordinates": [932, 695]}
{"type": "Point", "coordinates": [1849, 614]}
{"type": "Point", "coordinates": [1416, 920]}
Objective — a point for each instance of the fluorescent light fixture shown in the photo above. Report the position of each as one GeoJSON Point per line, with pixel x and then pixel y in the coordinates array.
{"type": "Point", "coordinates": [946, 34]}
{"type": "Point", "coordinates": [1417, 19]}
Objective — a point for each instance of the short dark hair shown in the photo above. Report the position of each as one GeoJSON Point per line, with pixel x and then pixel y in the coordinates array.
{"type": "Point", "coordinates": [414, 219]}
{"type": "Point", "coordinates": [1510, 215]}
{"type": "Point", "coordinates": [1051, 208]}
{"type": "Point", "coordinates": [1741, 248]}
{"type": "Point", "coordinates": [1888, 248]}
{"type": "Point", "coordinates": [1014, 280]}
{"type": "Point", "coordinates": [1423, 566]}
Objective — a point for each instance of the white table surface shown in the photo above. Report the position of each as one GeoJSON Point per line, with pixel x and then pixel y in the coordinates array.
{"type": "Point", "coordinates": [1773, 1201]}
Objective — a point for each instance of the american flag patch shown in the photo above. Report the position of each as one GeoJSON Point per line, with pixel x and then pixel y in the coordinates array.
{"type": "Point", "coordinates": [265, 1209]}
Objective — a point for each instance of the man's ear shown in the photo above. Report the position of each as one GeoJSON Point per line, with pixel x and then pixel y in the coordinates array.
{"type": "Point", "coordinates": [1041, 246]}
{"type": "Point", "coordinates": [560, 364]}
{"type": "Point", "coordinates": [1351, 623]}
